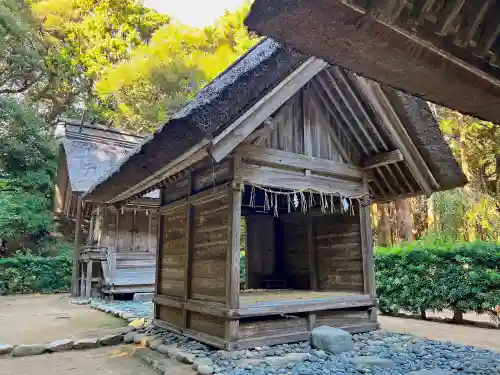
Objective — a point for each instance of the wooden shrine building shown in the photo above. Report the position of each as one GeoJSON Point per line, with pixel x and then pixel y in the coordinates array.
{"type": "Point", "coordinates": [295, 149]}
{"type": "Point", "coordinates": [444, 51]}
{"type": "Point", "coordinates": [118, 254]}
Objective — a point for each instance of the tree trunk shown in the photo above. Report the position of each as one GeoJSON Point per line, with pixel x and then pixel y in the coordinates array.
{"type": "Point", "coordinates": [431, 219]}
{"type": "Point", "coordinates": [419, 211]}
{"type": "Point", "coordinates": [458, 316]}
{"type": "Point", "coordinates": [423, 314]}
{"type": "Point", "coordinates": [404, 226]}
{"type": "Point", "coordinates": [384, 226]}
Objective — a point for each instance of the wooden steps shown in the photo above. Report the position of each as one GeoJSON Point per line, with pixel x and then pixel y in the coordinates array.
{"type": "Point", "coordinates": [133, 273]}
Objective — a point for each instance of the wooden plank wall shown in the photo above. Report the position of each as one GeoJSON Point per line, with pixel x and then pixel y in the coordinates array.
{"type": "Point", "coordinates": [210, 175]}
{"type": "Point", "coordinates": [259, 328]}
{"type": "Point", "coordinates": [288, 132]}
{"type": "Point", "coordinates": [107, 223]}
{"type": "Point", "coordinates": [211, 325]}
{"type": "Point", "coordinates": [338, 250]}
{"type": "Point", "coordinates": [141, 232]}
{"type": "Point", "coordinates": [175, 191]}
{"type": "Point", "coordinates": [261, 254]}
{"type": "Point", "coordinates": [173, 253]}
{"type": "Point", "coordinates": [339, 318]}
{"type": "Point", "coordinates": [125, 231]}
{"type": "Point", "coordinates": [295, 243]}
{"type": "Point", "coordinates": [210, 246]}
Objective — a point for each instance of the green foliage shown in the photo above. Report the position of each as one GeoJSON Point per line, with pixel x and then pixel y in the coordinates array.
{"type": "Point", "coordinates": [464, 214]}
{"type": "Point", "coordinates": [22, 48]}
{"type": "Point", "coordinates": [27, 273]}
{"type": "Point", "coordinates": [82, 39]}
{"type": "Point", "coordinates": [423, 276]}
{"type": "Point", "coordinates": [243, 267]}
{"type": "Point", "coordinates": [162, 75]}
{"type": "Point", "coordinates": [27, 168]}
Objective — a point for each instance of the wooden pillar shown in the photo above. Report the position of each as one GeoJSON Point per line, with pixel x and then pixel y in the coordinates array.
{"type": "Point", "coordinates": [159, 255]}
{"type": "Point", "coordinates": [367, 251]}
{"type": "Point", "coordinates": [234, 235]}
{"type": "Point", "coordinates": [233, 266]}
{"type": "Point", "coordinates": [189, 250]}
{"type": "Point", "coordinates": [76, 251]}
{"type": "Point", "coordinates": [88, 283]}
{"type": "Point", "coordinates": [117, 231]}
{"type": "Point", "coordinates": [312, 258]}
{"type": "Point", "coordinates": [82, 280]}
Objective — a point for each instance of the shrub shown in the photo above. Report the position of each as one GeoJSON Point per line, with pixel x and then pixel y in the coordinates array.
{"type": "Point", "coordinates": [420, 276]}
{"type": "Point", "coordinates": [28, 273]}
{"type": "Point", "coordinates": [243, 267]}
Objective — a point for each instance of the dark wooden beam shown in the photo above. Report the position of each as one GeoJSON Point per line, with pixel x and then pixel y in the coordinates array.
{"type": "Point", "coordinates": [385, 158]}
{"type": "Point", "coordinates": [76, 251]}
{"type": "Point", "coordinates": [300, 162]}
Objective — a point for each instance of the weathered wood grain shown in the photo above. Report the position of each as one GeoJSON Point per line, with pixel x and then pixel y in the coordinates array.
{"type": "Point", "coordinates": [279, 178]}
{"type": "Point", "coordinates": [210, 176]}
{"type": "Point", "coordinates": [171, 315]}
{"type": "Point", "coordinates": [208, 324]}
{"type": "Point", "coordinates": [273, 327]}
{"type": "Point", "coordinates": [297, 161]}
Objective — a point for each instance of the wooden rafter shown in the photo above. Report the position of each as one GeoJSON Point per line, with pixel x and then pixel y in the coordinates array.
{"type": "Point", "coordinates": [382, 159]}
{"type": "Point", "coordinates": [318, 95]}
{"type": "Point", "coordinates": [361, 125]}
{"type": "Point", "coordinates": [395, 129]}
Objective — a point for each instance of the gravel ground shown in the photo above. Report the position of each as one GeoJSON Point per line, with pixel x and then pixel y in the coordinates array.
{"type": "Point", "coordinates": [138, 309]}
{"type": "Point", "coordinates": [377, 353]}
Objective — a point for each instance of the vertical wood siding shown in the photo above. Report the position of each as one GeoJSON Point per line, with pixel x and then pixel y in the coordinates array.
{"type": "Point", "coordinates": [210, 246]}
{"type": "Point", "coordinates": [338, 246]}
{"type": "Point", "coordinates": [288, 132]}
{"type": "Point", "coordinates": [174, 252]}
{"type": "Point", "coordinates": [260, 249]}
{"type": "Point", "coordinates": [296, 251]}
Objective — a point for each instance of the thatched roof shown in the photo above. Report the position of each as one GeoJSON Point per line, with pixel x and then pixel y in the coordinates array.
{"type": "Point", "coordinates": [230, 95]}
{"type": "Point", "coordinates": [444, 54]}
{"type": "Point", "coordinates": [91, 151]}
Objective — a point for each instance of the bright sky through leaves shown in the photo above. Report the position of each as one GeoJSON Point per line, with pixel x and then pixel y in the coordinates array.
{"type": "Point", "coordinates": [198, 13]}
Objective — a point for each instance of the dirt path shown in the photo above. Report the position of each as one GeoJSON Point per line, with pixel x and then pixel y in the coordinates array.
{"type": "Point", "coordinates": [466, 335]}
{"type": "Point", "coordinates": [34, 319]}
{"type": "Point", "coordinates": [102, 361]}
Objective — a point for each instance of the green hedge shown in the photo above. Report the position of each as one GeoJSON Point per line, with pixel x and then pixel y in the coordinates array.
{"type": "Point", "coordinates": [418, 277]}
{"type": "Point", "coordinates": [27, 273]}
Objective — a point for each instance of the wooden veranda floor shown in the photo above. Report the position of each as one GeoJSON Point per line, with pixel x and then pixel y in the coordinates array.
{"type": "Point", "coordinates": [257, 296]}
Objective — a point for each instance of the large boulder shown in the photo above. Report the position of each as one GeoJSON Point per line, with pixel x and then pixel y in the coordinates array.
{"type": "Point", "coordinates": [332, 340]}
